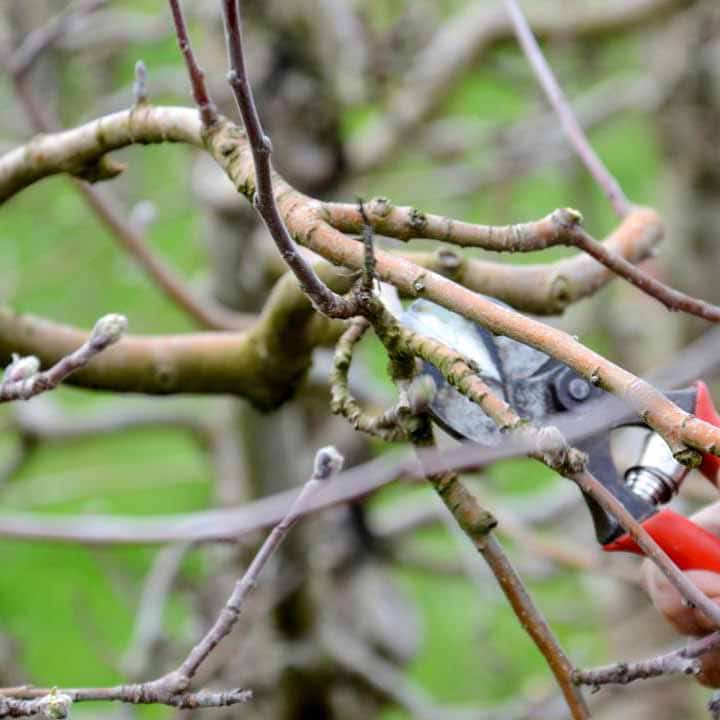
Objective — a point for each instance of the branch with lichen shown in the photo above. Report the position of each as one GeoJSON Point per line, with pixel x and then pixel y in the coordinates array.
{"type": "Point", "coordinates": [550, 447]}
{"type": "Point", "coordinates": [561, 227]}
{"type": "Point", "coordinates": [76, 149]}
{"type": "Point", "coordinates": [476, 522]}
{"type": "Point", "coordinates": [55, 704]}
{"type": "Point", "coordinates": [385, 426]}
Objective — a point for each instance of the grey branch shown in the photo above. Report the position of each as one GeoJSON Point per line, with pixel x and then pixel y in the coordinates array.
{"type": "Point", "coordinates": [23, 380]}
{"type": "Point", "coordinates": [54, 704]}
{"type": "Point", "coordinates": [560, 104]}
{"type": "Point", "coordinates": [324, 299]}
{"type": "Point", "coordinates": [172, 689]}
{"type": "Point", "coordinates": [328, 462]}
{"type": "Point", "coordinates": [38, 41]}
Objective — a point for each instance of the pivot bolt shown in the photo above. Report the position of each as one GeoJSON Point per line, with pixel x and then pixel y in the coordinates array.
{"type": "Point", "coordinates": [579, 389]}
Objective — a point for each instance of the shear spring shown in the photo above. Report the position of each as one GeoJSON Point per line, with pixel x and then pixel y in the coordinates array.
{"type": "Point", "coordinates": [656, 488]}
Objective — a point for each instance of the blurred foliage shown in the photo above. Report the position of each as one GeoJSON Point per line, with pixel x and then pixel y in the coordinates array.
{"type": "Point", "coordinates": [70, 609]}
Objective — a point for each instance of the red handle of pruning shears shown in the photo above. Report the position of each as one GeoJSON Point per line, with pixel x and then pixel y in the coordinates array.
{"type": "Point", "coordinates": [687, 544]}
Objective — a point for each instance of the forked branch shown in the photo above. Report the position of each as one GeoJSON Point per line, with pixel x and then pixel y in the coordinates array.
{"type": "Point", "coordinates": [324, 299]}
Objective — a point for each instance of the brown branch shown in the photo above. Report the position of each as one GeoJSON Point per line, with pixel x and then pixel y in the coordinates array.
{"type": "Point", "coordinates": [263, 198]}
{"type": "Point", "coordinates": [478, 524]}
{"type": "Point", "coordinates": [697, 360]}
{"type": "Point", "coordinates": [407, 223]}
{"type": "Point", "coordinates": [551, 448]}
{"type": "Point", "coordinates": [623, 673]}
{"type": "Point", "coordinates": [561, 227]}
{"type": "Point", "coordinates": [402, 345]}
{"type": "Point", "coordinates": [677, 661]}
{"type": "Point", "coordinates": [672, 299]}
{"type": "Point", "coordinates": [575, 134]}
{"type": "Point", "coordinates": [264, 364]}
{"type": "Point", "coordinates": [205, 104]}
{"type": "Point", "coordinates": [549, 288]}
{"type": "Point", "coordinates": [686, 587]}
{"type": "Point", "coordinates": [172, 689]}
{"type": "Point", "coordinates": [304, 217]}
{"type": "Point", "coordinates": [23, 380]}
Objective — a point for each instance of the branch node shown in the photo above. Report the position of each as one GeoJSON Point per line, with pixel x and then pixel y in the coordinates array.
{"type": "Point", "coordinates": [55, 706]}
{"type": "Point", "coordinates": [381, 206]}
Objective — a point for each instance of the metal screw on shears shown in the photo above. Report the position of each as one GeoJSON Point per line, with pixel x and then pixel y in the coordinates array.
{"type": "Point", "coordinates": [578, 389]}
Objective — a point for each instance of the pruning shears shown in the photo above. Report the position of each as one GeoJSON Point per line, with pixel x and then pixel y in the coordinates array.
{"type": "Point", "coordinates": [537, 386]}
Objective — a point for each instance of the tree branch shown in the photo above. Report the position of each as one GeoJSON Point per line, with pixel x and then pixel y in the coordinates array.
{"type": "Point", "coordinates": [40, 40]}
{"type": "Point", "coordinates": [304, 218]}
{"type": "Point", "coordinates": [385, 426]}
{"type": "Point", "coordinates": [201, 95]}
{"type": "Point", "coordinates": [55, 703]}
{"type": "Point", "coordinates": [575, 134]}
{"type": "Point", "coordinates": [328, 462]}
{"type": "Point", "coordinates": [205, 312]}
{"type": "Point", "coordinates": [264, 364]}
{"type": "Point", "coordinates": [324, 299]}
{"type": "Point", "coordinates": [172, 689]}
{"type": "Point", "coordinates": [23, 380]}
{"type": "Point", "coordinates": [478, 524]}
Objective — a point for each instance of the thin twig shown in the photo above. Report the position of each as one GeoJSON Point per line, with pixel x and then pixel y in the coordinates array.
{"type": "Point", "coordinates": [201, 95]}
{"type": "Point", "coordinates": [677, 661]}
{"type": "Point", "coordinates": [368, 244]}
{"type": "Point", "coordinates": [342, 402]}
{"type": "Point", "coordinates": [23, 380]}
{"type": "Point", "coordinates": [140, 88]}
{"type": "Point", "coordinates": [623, 673]}
{"type": "Point", "coordinates": [328, 463]}
{"type": "Point", "coordinates": [55, 703]}
{"type": "Point", "coordinates": [171, 689]}
{"type": "Point", "coordinates": [328, 302]}
{"type": "Point", "coordinates": [672, 299]}
{"type": "Point", "coordinates": [148, 624]}
{"type": "Point", "coordinates": [608, 183]}
{"type": "Point", "coordinates": [40, 40]}
{"type": "Point", "coordinates": [686, 587]}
